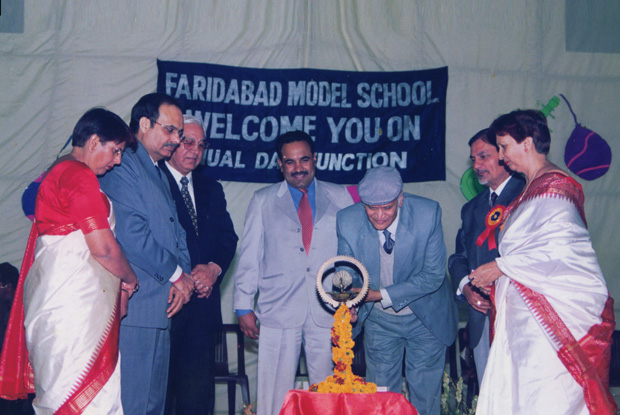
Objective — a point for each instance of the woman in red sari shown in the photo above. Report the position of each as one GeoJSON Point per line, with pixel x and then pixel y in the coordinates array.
{"type": "Point", "coordinates": [554, 316]}
{"type": "Point", "coordinates": [75, 283]}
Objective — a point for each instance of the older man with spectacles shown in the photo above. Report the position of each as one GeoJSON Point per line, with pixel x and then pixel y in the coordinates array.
{"type": "Point", "coordinates": [212, 241]}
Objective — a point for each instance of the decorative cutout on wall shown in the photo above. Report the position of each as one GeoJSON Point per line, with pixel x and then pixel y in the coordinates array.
{"type": "Point", "coordinates": [470, 186]}
{"type": "Point", "coordinates": [587, 154]}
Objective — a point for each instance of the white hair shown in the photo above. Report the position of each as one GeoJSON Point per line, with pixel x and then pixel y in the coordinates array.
{"type": "Point", "coordinates": [191, 119]}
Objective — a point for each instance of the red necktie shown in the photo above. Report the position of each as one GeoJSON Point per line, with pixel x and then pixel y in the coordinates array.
{"type": "Point", "coordinates": [305, 217]}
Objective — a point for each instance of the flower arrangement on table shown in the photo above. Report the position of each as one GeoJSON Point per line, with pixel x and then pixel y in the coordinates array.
{"type": "Point", "coordinates": [343, 380]}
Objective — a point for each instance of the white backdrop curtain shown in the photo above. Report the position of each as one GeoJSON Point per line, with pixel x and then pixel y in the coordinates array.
{"type": "Point", "coordinates": [501, 55]}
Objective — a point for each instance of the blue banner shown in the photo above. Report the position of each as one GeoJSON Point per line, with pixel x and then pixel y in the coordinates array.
{"type": "Point", "coordinates": [358, 120]}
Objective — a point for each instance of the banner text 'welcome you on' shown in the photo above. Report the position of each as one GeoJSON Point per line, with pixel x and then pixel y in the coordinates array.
{"type": "Point", "coordinates": [358, 120]}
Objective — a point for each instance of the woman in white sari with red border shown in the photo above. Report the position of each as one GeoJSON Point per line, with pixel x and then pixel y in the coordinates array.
{"type": "Point", "coordinates": [553, 314]}
{"type": "Point", "coordinates": [62, 338]}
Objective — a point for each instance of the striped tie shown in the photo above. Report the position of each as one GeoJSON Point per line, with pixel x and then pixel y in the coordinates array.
{"type": "Point", "coordinates": [188, 203]}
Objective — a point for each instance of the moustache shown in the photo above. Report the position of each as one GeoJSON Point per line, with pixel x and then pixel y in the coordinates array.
{"type": "Point", "coordinates": [171, 145]}
{"type": "Point", "coordinates": [300, 173]}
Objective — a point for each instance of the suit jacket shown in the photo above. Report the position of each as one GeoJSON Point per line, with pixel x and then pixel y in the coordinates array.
{"type": "Point", "coordinates": [217, 242]}
{"type": "Point", "coordinates": [468, 255]}
{"type": "Point", "coordinates": [273, 262]}
{"type": "Point", "coordinates": [148, 230]}
{"type": "Point", "coordinates": [420, 280]}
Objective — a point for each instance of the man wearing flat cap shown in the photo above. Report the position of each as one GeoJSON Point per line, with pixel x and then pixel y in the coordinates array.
{"type": "Point", "coordinates": [409, 308]}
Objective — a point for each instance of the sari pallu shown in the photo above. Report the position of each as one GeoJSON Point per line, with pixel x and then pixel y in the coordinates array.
{"type": "Point", "coordinates": [551, 350]}
{"type": "Point", "coordinates": [64, 321]}
{"type": "Point", "coordinates": [71, 321]}
{"type": "Point", "coordinates": [71, 326]}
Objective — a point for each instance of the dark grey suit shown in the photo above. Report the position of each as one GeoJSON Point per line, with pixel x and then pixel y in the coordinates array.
{"type": "Point", "coordinates": [469, 256]}
{"type": "Point", "coordinates": [192, 347]}
{"type": "Point", "coordinates": [153, 241]}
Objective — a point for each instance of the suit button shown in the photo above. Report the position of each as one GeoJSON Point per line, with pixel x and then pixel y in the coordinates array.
{"type": "Point", "coordinates": [298, 230]}
{"type": "Point", "coordinates": [308, 269]}
{"type": "Point", "coordinates": [301, 249]}
{"type": "Point", "coordinates": [171, 219]}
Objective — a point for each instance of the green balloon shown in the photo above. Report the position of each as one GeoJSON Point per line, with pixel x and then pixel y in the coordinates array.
{"type": "Point", "coordinates": [470, 186]}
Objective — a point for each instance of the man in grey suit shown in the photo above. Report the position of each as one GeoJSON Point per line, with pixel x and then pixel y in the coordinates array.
{"type": "Point", "coordinates": [469, 254]}
{"type": "Point", "coordinates": [290, 230]}
{"type": "Point", "coordinates": [153, 240]}
{"type": "Point", "coordinates": [409, 308]}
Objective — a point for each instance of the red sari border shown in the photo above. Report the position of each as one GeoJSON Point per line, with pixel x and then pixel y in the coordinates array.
{"type": "Point", "coordinates": [551, 184]}
{"type": "Point", "coordinates": [587, 360]}
{"type": "Point", "coordinates": [98, 372]}
{"type": "Point", "coordinates": [16, 375]}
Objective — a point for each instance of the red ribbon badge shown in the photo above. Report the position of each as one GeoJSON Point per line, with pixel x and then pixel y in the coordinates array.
{"type": "Point", "coordinates": [492, 221]}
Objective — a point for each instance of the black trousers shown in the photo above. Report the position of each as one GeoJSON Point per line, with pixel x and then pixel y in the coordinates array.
{"type": "Point", "coordinates": [191, 380]}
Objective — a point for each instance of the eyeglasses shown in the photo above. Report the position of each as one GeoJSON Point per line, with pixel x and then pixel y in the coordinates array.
{"type": "Point", "coordinates": [190, 144]}
{"type": "Point", "coordinates": [170, 129]}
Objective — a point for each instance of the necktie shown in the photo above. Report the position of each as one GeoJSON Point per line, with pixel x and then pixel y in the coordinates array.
{"type": "Point", "coordinates": [161, 176]}
{"type": "Point", "coordinates": [388, 245]}
{"type": "Point", "coordinates": [305, 217]}
{"type": "Point", "coordinates": [188, 203]}
{"type": "Point", "coordinates": [493, 199]}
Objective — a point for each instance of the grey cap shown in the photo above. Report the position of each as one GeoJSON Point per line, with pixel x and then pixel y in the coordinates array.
{"type": "Point", "coordinates": [380, 185]}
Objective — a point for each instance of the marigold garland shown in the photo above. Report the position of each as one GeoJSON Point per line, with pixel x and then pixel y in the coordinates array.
{"type": "Point", "coordinates": [343, 380]}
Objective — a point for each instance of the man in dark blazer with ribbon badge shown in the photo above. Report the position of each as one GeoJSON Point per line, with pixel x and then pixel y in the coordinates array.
{"type": "Point", "coordinates": [211, 241]}
{"type": "Point", "coordinates": [476, 241]}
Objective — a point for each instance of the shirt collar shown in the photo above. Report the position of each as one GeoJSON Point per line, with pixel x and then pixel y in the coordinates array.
{"type": "Point", "coordinates": [298, 192]}
{"type": "Point", "coordinates": [152, 161]}
{"type": "Point", "coordinates": [178, 176]}
{"type": "Point", "coordinates": [393, 227]}
{"type": "Point", "coordinates": [500, 188]}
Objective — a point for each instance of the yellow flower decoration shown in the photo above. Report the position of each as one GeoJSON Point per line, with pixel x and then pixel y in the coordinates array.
{"type": "Point", "coordinates": [343, 380]}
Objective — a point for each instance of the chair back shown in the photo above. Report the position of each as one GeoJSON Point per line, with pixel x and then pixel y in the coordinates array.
{"type": "Point", "coordinates": [222, 370]}
{"type": "Point", "coordinates": [221, 351]}
{"type": "Point", "coordinates": [221, 354]}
